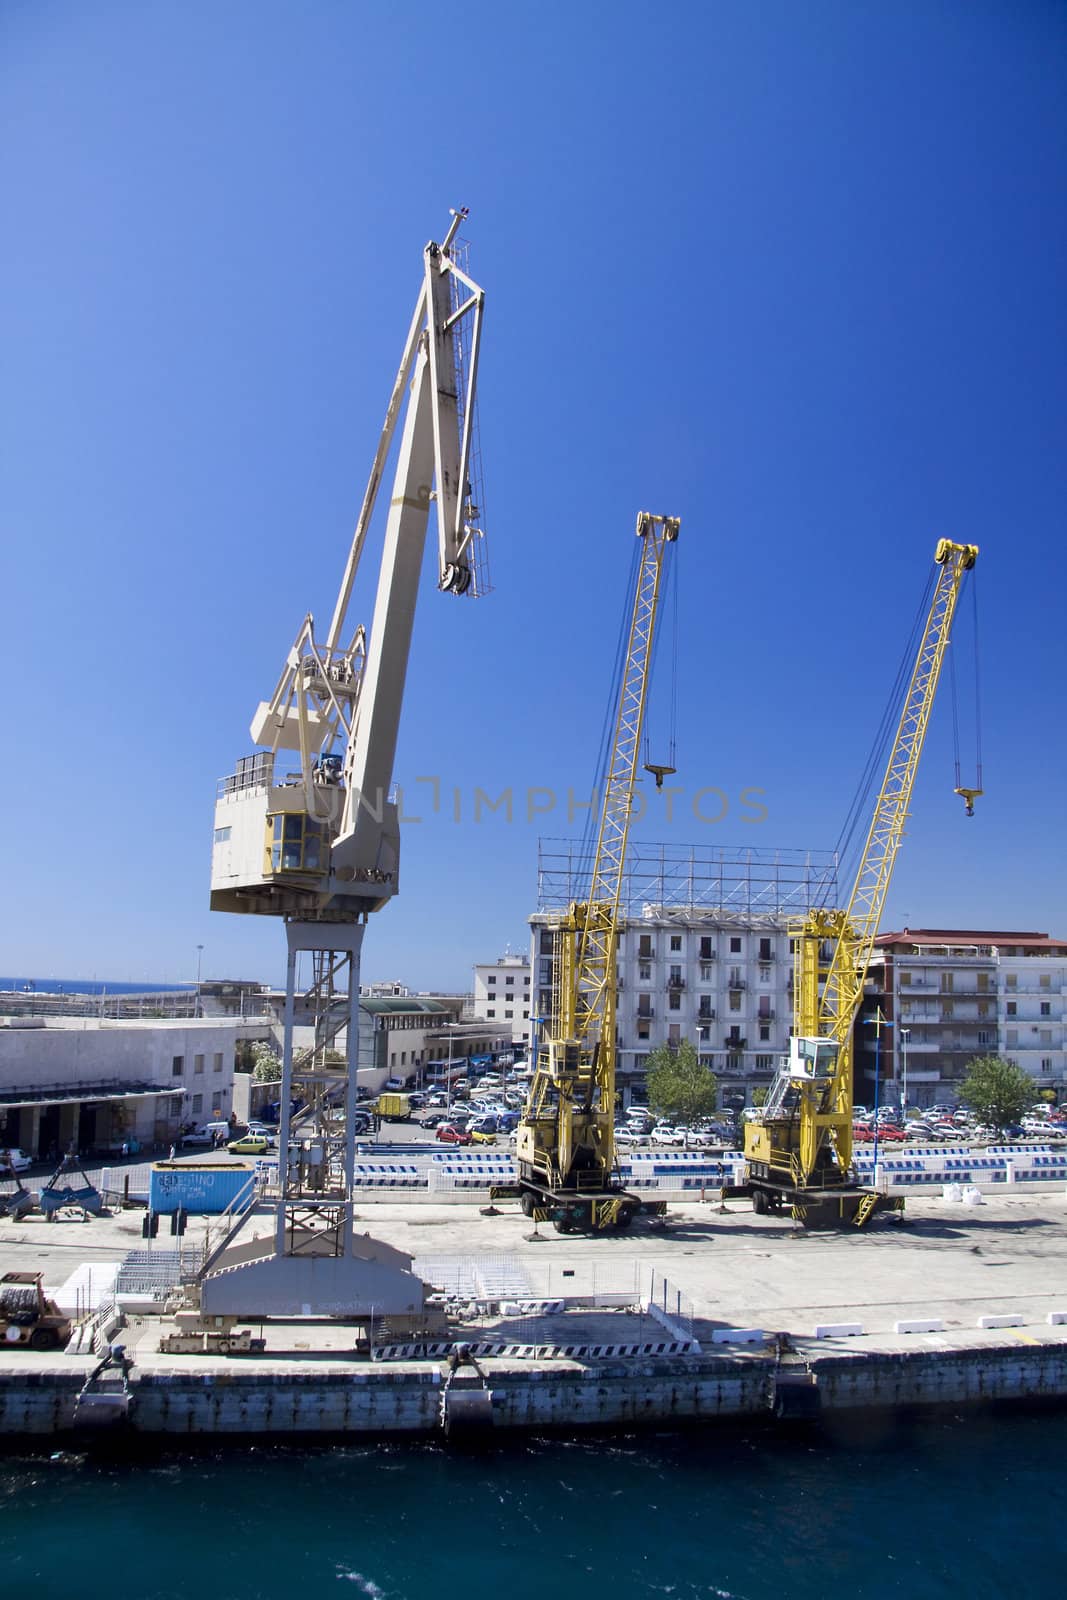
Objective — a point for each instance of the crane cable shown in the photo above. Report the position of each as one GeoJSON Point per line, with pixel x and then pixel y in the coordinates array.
{"type": "Point", "coordinates": [977, 699]}
{"type": "Point", "coordinates": [672, 581]}
{"type": "Point", "coordinates": [848, 843]}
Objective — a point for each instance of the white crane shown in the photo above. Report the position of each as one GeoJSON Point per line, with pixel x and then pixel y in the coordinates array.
{"type": "Point", "coordinates": [319, 845]}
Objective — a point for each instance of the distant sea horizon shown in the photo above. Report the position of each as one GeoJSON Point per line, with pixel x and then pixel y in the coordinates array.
{"type": "Point", "coordinates": [97, 986]}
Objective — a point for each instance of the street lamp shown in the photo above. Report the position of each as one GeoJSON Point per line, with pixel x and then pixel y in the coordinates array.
{"type": "Point", "coordinates": [877, 1022]}
{"type": "Point", "coordinates": [199, 954]}
{"type": "Point", "coordinates": [904, 1036]}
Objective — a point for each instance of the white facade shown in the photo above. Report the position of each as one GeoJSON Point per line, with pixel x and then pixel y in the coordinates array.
{"type": "Point", "coordinates": [502, 995]}
{"type": "Point", "coordinates": [723, 982]}
{"type": "Point", "coordinates": [953, 994]}
{"type": "Point", "coordinates": [92, 1082]}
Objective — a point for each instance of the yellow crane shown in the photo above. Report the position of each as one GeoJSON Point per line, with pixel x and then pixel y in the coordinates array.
{"type": "Point", "coordinates": [566, 1140]}
{"type": "Point", "coordinates": [799, 1151]}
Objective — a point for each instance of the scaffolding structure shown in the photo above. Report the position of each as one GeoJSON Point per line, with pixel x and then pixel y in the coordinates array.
{"type": "Point", "coordinates": [688, 882]}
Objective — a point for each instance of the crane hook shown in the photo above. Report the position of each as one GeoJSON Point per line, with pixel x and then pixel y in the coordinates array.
{"type": "Point", "coordinates": [970, 795]}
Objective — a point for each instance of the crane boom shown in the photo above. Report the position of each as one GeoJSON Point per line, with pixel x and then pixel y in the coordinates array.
{"type": "Point", "coordinates": [566, 1140]}
{"type": "Point", "coordinates": [801, 1146]}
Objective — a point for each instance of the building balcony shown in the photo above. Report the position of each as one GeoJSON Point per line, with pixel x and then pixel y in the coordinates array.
{"type": "Point", "coordinates": [675, 983]}
{"type": "Point", "coordinates": [765, 1016]}
{"type": "Point", "coordinates": [645, 1014]}
{"type": "Point", "coordinates": [736, 984]}
{"type": "Point", "coordinates": [706, 1014]}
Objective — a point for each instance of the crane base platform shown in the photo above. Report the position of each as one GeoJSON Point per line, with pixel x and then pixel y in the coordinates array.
{"type": "Point", "coordinates": [836, 1207]}
{"type": "Point", "coordinates": [575, 1211]}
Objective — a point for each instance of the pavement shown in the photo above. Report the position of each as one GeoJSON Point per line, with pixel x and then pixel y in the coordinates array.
{"type": "Point", "coordinates": [712, 1267]}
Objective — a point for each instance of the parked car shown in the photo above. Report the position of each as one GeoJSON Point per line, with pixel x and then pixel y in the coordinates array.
{"type": "Point", "coordinates": [252, 1144]}
{"type": "Point", "coordinates": [630, 1136]}
{"type": "Point", "coordinates": [430, 1119]}
{"type": "Point", "coordinates": [481, 1136]}
{"type": "Point", "coordinates": [666, 1135]}
{"type": "Point", "coordinates": [451, 1133]}
{"type": "Point", "coordinates": [16, 1160]}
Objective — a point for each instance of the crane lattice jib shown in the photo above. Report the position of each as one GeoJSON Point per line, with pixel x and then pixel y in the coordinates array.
{"type": "Point", "coordinates": [595, 957]}
{"type": "Point", "coordinates": [852, 953]}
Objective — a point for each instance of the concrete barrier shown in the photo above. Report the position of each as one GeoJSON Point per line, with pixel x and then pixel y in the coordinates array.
{"type": "Point", "coordinates": [838, 1330]}
{"type": "Point", "coordinates": [738, 1336]}
{"type": "Point", "coordinates": [1011, 1319]}
{"type": "Point", "coordinates": [1055, 1317]}
{"type": "Point", "coordinates": [919, 1325]}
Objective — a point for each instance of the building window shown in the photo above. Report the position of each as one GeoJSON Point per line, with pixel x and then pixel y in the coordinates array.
{"type": "Point", "coordinates": [217, 1063]}
{"type": "Point", "coordinates": [1012, 1039]}
{"type": "Point", "coordinates": [509, 983]}
{"type": "Point", "coordinates": [643, 1029]}
{"type": "Point", "coordinates": [765, 950]}
{"type": "Point", "coordinates": [644, 972]}
{"type": "Point", "coordinates": [491, 978]}
{"type": "Point", "coordinates": [1044, 1035]}
{"type": "Point", "coordinates": [674, 1001]}
{"type": "Point", "coordinates": [706, 972]}
{"type": "Point", "coordinates": [764, 1033]}
{"type": "Point", "coordinates": [644, 947]}
{"type": "Point", "coordinates": [676, 943]}
{"type": "Point", "coordinates": [905, 978]}
{"type": "Point", "coordinates": [705, 1035]}
{"type": "Point", "coordinates": [764, 974]}
{"type": "Point", "coordinates": [176, 1066]}
{"type": "Point", "coordinates": [983, 1036]}
{"type": "Point", "coordinates": [1012, 1008]}
{"type": "Point", "coordinates": [1046, 1008]}
{"type": "Point", "coordinates": [1011, 979]}
{"type": "Point", "coordinates": [674, 1033]}
{"type": "Point", "coordinates": [735, 1000]}
{"type": "Point", "coordinates": [983, 1008]}
{"type": "Point", "coordinates": [509, 1012]}
{"type": "Point", "coordinates": [735, 946]}
{"type": "Point", "coordinates": [222, 835]}
{"type": "Point", "coordinates": [198, 1064]}
{"type": "Point", "coordinates": [525, 1015]}
{"type": "Point", "coordinates": [707, 950]}
{"type": "Point", "coordinates": [198, 1103]}
{"type": "Point", "coordinates": [490, 1013]}
{"type": "Point", "coordinates": [764, 1063]}
{"type": "Point", "coordinates": [1045, 981]}
{"type": "Point", "coordinates": [1046, 1063]}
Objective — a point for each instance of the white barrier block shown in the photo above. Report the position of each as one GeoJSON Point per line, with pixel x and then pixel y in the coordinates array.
{"type": "Point", "coordinates": [1011, 1320]}
{"type": "Point", "coordinates": [919, 1325]}
{"type": "Point", "coordinates": [838, 1330]}
{"type": "Point", "coordinates": [738, 1336]}
{"type": "Point", "coordinates": [1055, 1317]}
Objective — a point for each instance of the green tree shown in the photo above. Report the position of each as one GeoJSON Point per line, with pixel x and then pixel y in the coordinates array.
{"type": "Point", "coordinates": [759, 1095]}
{"type": "Point", "coordinates": [997, 1091]}
{"type": "Point", "coordinates": [679, 1088]}
{"type": "Point", "coordinates": [266, 1067]}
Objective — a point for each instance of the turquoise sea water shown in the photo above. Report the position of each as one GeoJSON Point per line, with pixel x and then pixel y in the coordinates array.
{"type": "Point", "coordinates": [952, 1508]}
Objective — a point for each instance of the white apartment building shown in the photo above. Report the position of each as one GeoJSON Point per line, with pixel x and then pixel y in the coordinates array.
{"type": "Point", "coordinates": [502, 995]}
{"type": "Point", "coordinates": [721, 980]}
{"type": "Point", "coordinates": [950, 994]}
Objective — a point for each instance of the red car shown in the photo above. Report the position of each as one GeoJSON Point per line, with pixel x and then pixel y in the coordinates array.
{"type": "Point", "coordinates": [451, 1134]}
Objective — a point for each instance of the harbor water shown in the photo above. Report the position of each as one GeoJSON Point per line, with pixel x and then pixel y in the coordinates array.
{"type": "Point", "coordinates": [921, 1509]}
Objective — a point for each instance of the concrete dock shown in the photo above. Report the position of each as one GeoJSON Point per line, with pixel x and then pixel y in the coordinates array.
{"type": "Point", "coordinates": [701, 1318]}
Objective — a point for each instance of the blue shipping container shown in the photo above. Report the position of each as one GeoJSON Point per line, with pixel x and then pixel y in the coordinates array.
{"type": "Point", "coordinates": [201, 1189]}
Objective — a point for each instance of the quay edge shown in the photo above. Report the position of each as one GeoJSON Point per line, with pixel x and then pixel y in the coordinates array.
{"type": "Point", "coordinates": [292, 1401]}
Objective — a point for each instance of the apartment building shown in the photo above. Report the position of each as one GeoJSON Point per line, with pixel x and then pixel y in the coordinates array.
{"type": "Point", "coordinates": [950, 994]}
{"type": "Point", "coordinates": [502, 994]}
{"type": "Point", "coordinates": [721, 980]}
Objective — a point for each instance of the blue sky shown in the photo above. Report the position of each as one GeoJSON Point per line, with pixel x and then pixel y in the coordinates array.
{"type": "Point", "coordinates": [792, 273]}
